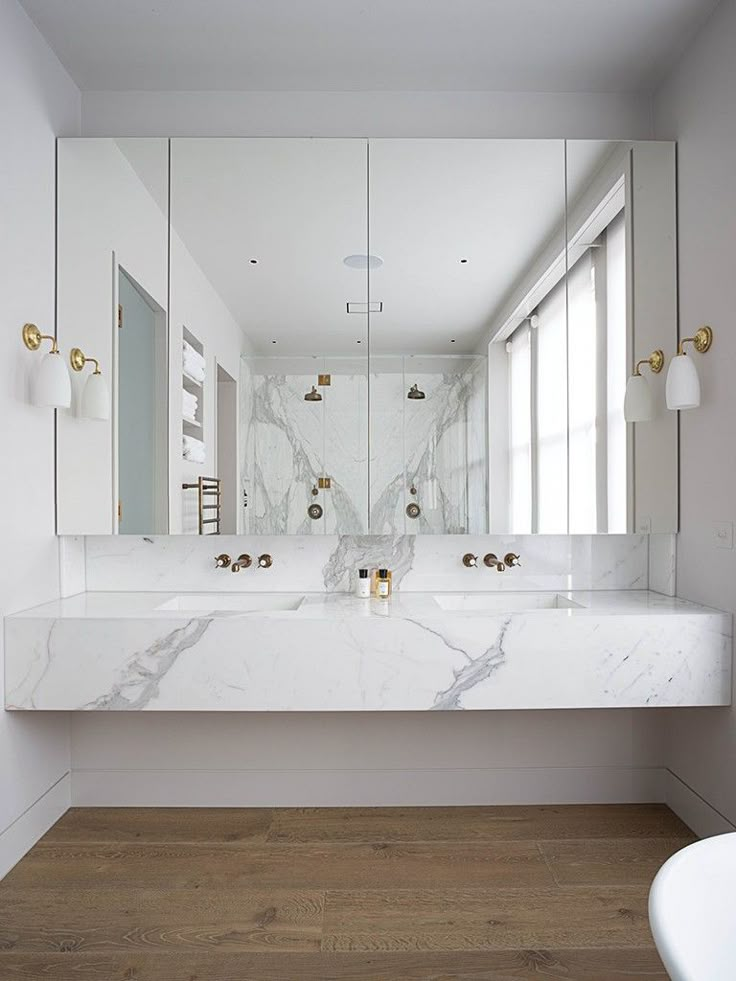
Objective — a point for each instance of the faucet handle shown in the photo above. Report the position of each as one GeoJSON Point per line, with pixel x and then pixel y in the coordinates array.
{"type": "Point", "coordinates": [511, 559]}
{"type": "Point", "coordinates": [470, 561]}
{"type": "Point", "coordinates": [493, 561]}
{"type": "Point", "coordinates": [265, 561]}
{"type": "Point", "coordinates": [243, 561]}
{"type": "Point", "coordinates": [222, 561]}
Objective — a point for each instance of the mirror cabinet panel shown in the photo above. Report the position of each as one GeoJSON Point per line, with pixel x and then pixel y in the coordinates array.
{"type": "Point", "coordinates": [269, 311]}
{"type": "Point", "coordinates": [347, 337]}
{"type": "Point", "coordinates": [112, 251]}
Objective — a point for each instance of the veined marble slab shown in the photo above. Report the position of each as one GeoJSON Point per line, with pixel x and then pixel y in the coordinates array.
{"type": "Point", "coordinates": [333, 652]}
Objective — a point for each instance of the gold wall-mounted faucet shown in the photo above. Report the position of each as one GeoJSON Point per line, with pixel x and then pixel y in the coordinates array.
{"type": "Point", "coordinates": [243, 561]}
{"type": "Point", "coordinates": [493, 562]}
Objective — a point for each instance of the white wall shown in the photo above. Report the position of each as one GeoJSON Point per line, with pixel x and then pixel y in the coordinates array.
{"type": "Point", "coordinates": [37, 101]}
{"type": "Point", "coordinates": [367, 114]}
{"type": "Point", "coordinates": [696, 107]}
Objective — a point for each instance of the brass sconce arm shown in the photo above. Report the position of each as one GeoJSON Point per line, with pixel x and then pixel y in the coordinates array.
{"type": "Point", "coordinates": [32, 338]}
{"type": "Point", "coordinates": [701, 341]}
{"type": "Point", "coordinates": [655, 362]}
{"type": "Point", "coordinates": [78, 360]}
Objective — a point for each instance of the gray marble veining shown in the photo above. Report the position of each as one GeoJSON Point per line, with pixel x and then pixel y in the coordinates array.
{"type": "Point", "coordinates": [335, 652]}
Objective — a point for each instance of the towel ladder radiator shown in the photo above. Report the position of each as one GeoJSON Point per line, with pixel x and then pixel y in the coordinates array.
{"type": "Point", "coordinates": [207, 487]}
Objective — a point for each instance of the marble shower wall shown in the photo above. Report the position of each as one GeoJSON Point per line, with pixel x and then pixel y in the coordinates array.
{"type": "Point", "coordinates": [287, 444]}
{"type": "Point", "coordinates": [328, 563]}
{"type": "Point", "coordinates": [434, 446]}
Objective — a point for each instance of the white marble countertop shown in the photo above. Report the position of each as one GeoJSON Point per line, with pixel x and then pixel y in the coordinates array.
{"type": "Point", "coordinates": [164, 651]}
{"type": "Point", "coordinates": [401, 605]}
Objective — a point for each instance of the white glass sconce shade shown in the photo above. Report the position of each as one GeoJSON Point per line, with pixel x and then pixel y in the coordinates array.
{"type": "Point", "coordinates": [683, 384]}
{"type": "Point", "coordinates": [638, 401]}
{"type": "Point", "coordinates": [95, 398]}
{"type": "Point", "coordinates": [52, 386]}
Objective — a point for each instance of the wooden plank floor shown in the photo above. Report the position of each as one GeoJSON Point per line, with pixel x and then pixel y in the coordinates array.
{"type": "Point", "coordinates": [359, 894]}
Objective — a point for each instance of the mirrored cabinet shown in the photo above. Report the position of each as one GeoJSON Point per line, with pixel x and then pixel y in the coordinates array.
{"type": "Point", "coordinates": [366, 337]}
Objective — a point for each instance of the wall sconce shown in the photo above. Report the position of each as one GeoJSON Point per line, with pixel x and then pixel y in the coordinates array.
{"type": "Point", "coordinates": [51, 385]}
{"type": "Point", "coordinates": [638, 401]}
{"type": "Point", "coordinates": [95, 396]}
{"type": "Point", "coordinates": [683, 384]}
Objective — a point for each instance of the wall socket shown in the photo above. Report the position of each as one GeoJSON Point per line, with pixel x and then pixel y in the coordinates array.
{"type": "Point", "coordinates": [723, 534]}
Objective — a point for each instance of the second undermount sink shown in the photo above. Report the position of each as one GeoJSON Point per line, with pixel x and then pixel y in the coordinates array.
{"type": "Point", "coordinates": [231, 602]}
{"type": "Point", "coordinates": [504, 602]}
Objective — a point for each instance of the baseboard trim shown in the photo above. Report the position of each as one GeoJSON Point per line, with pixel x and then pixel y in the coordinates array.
{"type": "Point", "coordinates": [693, 809]}
{"type": "Point", "coordinates": [356, 788]}
{"type": "Point", "coordinates": [25, 831]}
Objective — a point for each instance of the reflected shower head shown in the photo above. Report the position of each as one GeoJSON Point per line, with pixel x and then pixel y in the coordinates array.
{"type": "Point", "coordinates": [313, 396]}
{"type": "Point", "coordinates": [415, 393]}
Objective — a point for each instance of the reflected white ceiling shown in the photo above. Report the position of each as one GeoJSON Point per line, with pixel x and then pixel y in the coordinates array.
{"type": "Point", "coordinates": [368, 45]}
{"type": "Point", "coordinates": [298, 207]}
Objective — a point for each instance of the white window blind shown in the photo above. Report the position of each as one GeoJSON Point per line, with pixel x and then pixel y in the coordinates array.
{"type": "Point", "coordinates": [582, 395]}
{"type": "Point", "coordinates": [616, 374]}
{"type": "Point", "coordinates": [550, 383]}
{"type": "Point", "coordinates": [520, 431]}
{"type": "Point", "coordinates": [567, 379]}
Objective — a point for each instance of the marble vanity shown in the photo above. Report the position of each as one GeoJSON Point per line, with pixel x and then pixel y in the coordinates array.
{"type": "Point", "coordinates": [280, 651]}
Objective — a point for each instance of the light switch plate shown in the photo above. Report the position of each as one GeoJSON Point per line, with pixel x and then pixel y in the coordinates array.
{"type": "Point", "coordinates": [723, 534]}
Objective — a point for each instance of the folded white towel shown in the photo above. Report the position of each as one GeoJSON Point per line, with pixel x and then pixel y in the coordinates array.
{"type": "Point", "coordinates": [189, 402]}
{"type": "Point", "coordinates": [192, 449]}
{"type": "Point", "coordinates": [191, 355]}
{"type": "Point", "coordinates": [193, 369]}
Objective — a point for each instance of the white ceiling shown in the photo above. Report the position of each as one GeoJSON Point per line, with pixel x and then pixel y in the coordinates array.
{"type": "Point", "coordinates": [368, 45]}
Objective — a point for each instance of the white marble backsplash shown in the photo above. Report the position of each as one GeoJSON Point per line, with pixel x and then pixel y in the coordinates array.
{"type": "Point", "coordinates": [419, 563]}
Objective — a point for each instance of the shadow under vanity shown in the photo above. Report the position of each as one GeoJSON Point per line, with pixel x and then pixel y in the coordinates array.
{"type": "Point", "coordinates": [327, 355]}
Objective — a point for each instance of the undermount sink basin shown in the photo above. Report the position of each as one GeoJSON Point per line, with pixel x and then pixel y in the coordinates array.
{"type": "Point", "coordinates": [231, 602]}
{"type": "Point", "coordinates": [504, 602]}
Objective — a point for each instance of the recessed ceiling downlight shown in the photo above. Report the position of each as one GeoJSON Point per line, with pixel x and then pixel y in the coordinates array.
{"type": "Point", "coordinates": [362, 261]}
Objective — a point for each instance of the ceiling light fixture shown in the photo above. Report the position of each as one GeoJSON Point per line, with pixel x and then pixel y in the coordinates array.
{"type": "Point", "coordinates": [362, 261]}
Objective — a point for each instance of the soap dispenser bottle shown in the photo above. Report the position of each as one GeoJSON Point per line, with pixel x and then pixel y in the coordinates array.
{"type": "Point", "coordinates": [363, 585]}
{"type": "Point", "coordinates": [383, 585]}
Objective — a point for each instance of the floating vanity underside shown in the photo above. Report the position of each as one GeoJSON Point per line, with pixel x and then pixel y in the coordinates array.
{"type": "Point", "coordinates": [333, 652]}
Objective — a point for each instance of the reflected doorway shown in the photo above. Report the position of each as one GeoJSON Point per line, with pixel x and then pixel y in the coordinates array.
{"type": "Point", "coordinates": [227, 450]}
{"type": "Point", "coordinates": [141, 412]}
